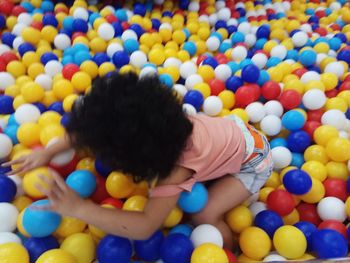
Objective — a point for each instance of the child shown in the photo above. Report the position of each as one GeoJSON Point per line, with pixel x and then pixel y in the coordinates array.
{"type": "Point", "coordinates": [137, 126]}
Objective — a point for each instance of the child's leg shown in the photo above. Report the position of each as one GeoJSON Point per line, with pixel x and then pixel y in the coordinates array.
{"type": "Point", "coordinates": [225, 194]}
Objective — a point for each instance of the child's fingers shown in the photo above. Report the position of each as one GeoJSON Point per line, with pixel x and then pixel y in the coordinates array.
{"type": "Point", "coordinates": [42, 189]}
{"type": "Point", "coordinates": [41, 207]}
{"type": "Point", "coordinates": [19, 170]}
{"type": "Point", "coordinates": [17, 161]}
{"type": "Point", "coordinates": [60, 182]}
{"type": "Point", "coordinates": [46, 179]}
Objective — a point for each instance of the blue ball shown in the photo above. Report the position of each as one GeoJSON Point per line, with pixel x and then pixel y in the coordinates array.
{"type": "Point", "coordinates": [263, 31]}
{"type": "Point", "coordinates": [67, 60]}
{"type": "Point", "coordinates": [118, 29]}
{"type": "Point", "coordinates": [100, 58]}
{"type": "Point", "coordinates": [47, 6]}
{"type": "Point", "coordinates": [155, 23]}
{"type": "Point", "coordinates": [101, 168]}
{"type": "Point", "coordinates": [276, 142]}
{"type": "Point", "coordinates": [263, 77]}
{"type": "Point", "coordinates": [224, 46]}
{"type": "Point", "coordinates": [93, 17]}
{"type": "Point", "coordinates": [12, 120]}
{"type": "Point", "coordinates": [298, 141]}
{"type": "Point", "coordinates": [4, 170]}
{"type": "Point", "coordinates": [120, 58]}
{"type": "Point", "coordinates": [57, 106]}
{"type": "Point", "coordinates": [231, 29]}
{"type": "Point", "coordinates": [182, 229]}
{"type": "Point", "coordinates": [149, 249]}
{"type": "Point", "coordinates": [6, 106]}
{"type": "Point", "coordinates": [81, 56]}
{"type": "Point", "coordinates": [194, 201]}
{"type": "Point", "coordinates": [40, 106]}
{"type": "Point", "coordinates": [260, 43]}
{"type": "Point", "coordinates": [237, 37]}
{"type": "Point", "coordinates": [38, 245]}
{"type": "Point", "coordinates": [137, 29]}
{"type": "Point", "coordinates": [269, 221]}
{"type": "Point", "coordinates": [335, 43]}
{"type": "Point", "coordinates": [82, 182]}
{"type": "Point", "coordinates": [308, 229]}
{"type": "Point", "coordinates": [297, 160]}
{"type": "Point", "coordinates": [245, 62]}
{"type": "Point", "coordinates": [328, 243]}
{"type": "Point", "coordinates": [140, 9]}
{"type": "Point", "coordinates": [297, 182]}
{"type": "Point", "coordinates": [113, 247]}
{"type": "Point", "coordinates": [27, 6]}
{"type": "Point", "coordinates": [11, 131]}
{"type": "Point", "coordinates": [190, 47]}
{"type": "Point", "coordinates": [166, 79]}
{"type": "Point", "coordinates": [121, 15]}
{"type": "Point", "coordinates": [68, 23]}
{"type": "Point", "coordinates": [8, 189]}
{"type": "Point", "coordinates": [210, 61]}
{"type": "Point", "coordinates": [195, 98]}
{"type": "Point", "coordinates": [131, 45]}
{"type": "Point", "coordinates": [49, 20]}
{"type": "Point", "coordinates": [344, 55]}
{"type": "Point", "coordinates": [233, 83]}
{"type": "Point", "coordinates": [293, 120]}
{"type": "Point", "coordinates": [233, 66]}
{"type": "Point", "coordinates": [40, 223]}
{"type": "Point", "coordinates": [273, 61]}
{"type": "Point", "coordinates": [250, 73]}
{"type": "Point", "coordinates": [307, 57]}
{"type": "Point", "coordinates": [176, 246]}
{"type": "Point", "coordinates": [7, 38]}
{"type": "Point", "coordinates": [80, 25]}
{"type": "Point", "coordinates": [24, 48]}
{"type": "Point", "coordinates": [48, 56]}
{"type": "Point", "coordinates": [220, 24]}
{"type": "Point", "coordinates": [65, 119]}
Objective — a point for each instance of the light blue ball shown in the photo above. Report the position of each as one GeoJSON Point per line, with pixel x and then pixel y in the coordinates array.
{"type": "Point", "coordinates": [82, 182]}
{"type": "Point", "coordinates": [182, 229]}
{"type": "Point", "coordinates": [194, 201]}
{"type": "Point", "coordinates": [40, 223]}
{"type": "Point", "coordinates": [190, 47]}
{"type": "Point", "coordinates": [277, 142]}
{"type": "Point", "coordinates": [166, 79]}
{"type": "Point", "coordinates": [307, 57]}
{"type": "Point", "coordinates": [293, 120]}
{"type": "Point", "coordinates": [131, 45]}
{"type": "Point", "coordinates": [81, 56]}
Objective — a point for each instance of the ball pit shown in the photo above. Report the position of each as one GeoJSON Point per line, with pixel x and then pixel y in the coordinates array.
{"type": "Point", "coordinates": [283, 66]}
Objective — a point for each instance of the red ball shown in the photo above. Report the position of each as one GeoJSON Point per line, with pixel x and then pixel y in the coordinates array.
{"type": "Point", "coordinates": [200, 59]}
{"type": "Point", "coordinates": [344, 86]}
{"type": "Point", "coordinates": [332, 93]}
{"type": "Point", "coordinates": [67, 169]}
{"type": "Point", "coordinates": [335, 225]}
{"type": "Point", "coordinates": [308, 213]}
{"type": "Point", "coordinates": [247, 94]}
{"type": "Point", "coordinates": [100, 193]}
{"type": "Point", "coordinates": [231, 257]}
{"type": "Point", "coordinates": [69, 70]}
{"type": "Point", "coordinates": [223, 61]}
{"type": "Point", "coordinates": [125, 25]}
{"type": "Point", "coordinates": [112, 201]}
{"type": "Point", "coordinates": [315, 115]}
{"type": "Point", "coordinates": [8, 56]}
{"type": "Point", "coordinates": [347, 78]}
{"type": "Point", "coordinates": [336, 187]}
{"type": "Point", "coordinates": [300, 72]}
{"type": "Point", "coordinates": [111, 18]}
{"type": "Point", "coordinates": [37, 24]}
{"type": "Point", "coordinates": [290, 99]}
{"type": "Point", "coordinates": [320, 13]}
{"type": "Point", "coordinates": [78, 34]}
{"type": "Point", "coordinates": [335, 27]}
{"type": "Point", "coordinates": [6, 7]}
{"type": "Point", "coordinates": [17, 10]}
{"type": "Point", "coordinates": [281, 201]}
{"type": "Point", "coordinates": [61, 10]}
{"type": "Point", "coordinates": [216, 86]}
{"type": "Point", "coordinates": [2, 66]}
{"type": "Point", "coordinates": [321, 31]}
{"type": "Point", "coordinates": [311, 126]}
{"type": "Point", "coordinates": [271, 90]}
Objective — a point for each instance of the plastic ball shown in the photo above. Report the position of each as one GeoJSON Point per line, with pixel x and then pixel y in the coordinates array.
{"type": "Point", "coordinates": [335, 225]}
{"type": "Point", "coordinates": [290, 242]}
{"type": "Point", "coordinates": [207, 253]}
{"type": "Point", "coordinates": [212, 106]}
{"type": "Point", "coordinates": [28, 134]}
{"type": "Point", "coordinates": [290, 99]}
{"type": "Point", "coordinates": [119, 185]}
{"type": "Point", "coordinates": [9, 214]}
{"type": "Point", "coordinates": [328, 243]}
{"type": "Point", "coordinates": [6, 146]}
{"type": "Point", "coordinates": [271, 125]}
{"type": "Point", "coordinates": [81, 246]}
{"type": "Point", "coordinates": [293, 120]}
{"type": "Point", "coordinates": [273, 107]}
{"type": "Point", "coordinates": [62, 41]}
{"type": "Point", "coordinates": [14, 252]}
{"type": "Point", "coordinates": [281, 202]}
{"type": "Point", "coordinates": [239, 53]}
{"type": "Point", "coordinates": [8, 237]}
{"type": "Point", "coordinates": [314, 99]}
{"type": "Point", "coordinates": [149, 249]}
{"type": "Point", "coordinates": [83, 182]}
{"type": "Point", "coordinates": [6, 79]}
{"type": "Point", "coordinates": [269, 221]}
{"type": "Point", "coordinates": [195, 200]}
{"type": "Point", "coordinates": [37, 246]}
{"type": "Point", "coordinates": [106, 31]}
{"type": "Point", "coordinates": [281, 156]}
{"type": "Point", "coordinates": [336, 188]}
{"type": "Point", "coordinates": [40, 223]}
{"type": "Point", "coordinates": [53, 68]}
{"type": "Point", "coordinates": [331, 208]}
{"type": "Point", "coordinates": [247, 94]}
{"type": "Point", "coordinates": [298, 141]}
{"type": "Point", "coordinates": [56, 256]}
{"type": "Point", "coordinates": [223, 72]}
{"type": "Point", "coordinates": [250, 73]}
{"type": "Point", "coordinates": [271, 90]}
{"type": "Point", "coordinates": [255, 111]}
{"type": "Point", "coordinates": [338, 149]}
{"type": "Point", "coordinates": [255, 243]}
{"type": "Point", "coordinates": [297, 182]}
{"type": "Point", "coordinates": [239, 218]}
{"type": "Point", "coordinates": [335, 118]}
{"type": "Point", "coordinates": [308, 229]}
{"type": "Point", "coordinates": [176, 246]}
{"type": "Point", "coordinates": [335, 68]}
{"type": "Point", "coordinates": [206, 234]}
{"type": "Point", "coordinates": [299, 39]}
{"type": "Point", "coordinates": [213, 43]}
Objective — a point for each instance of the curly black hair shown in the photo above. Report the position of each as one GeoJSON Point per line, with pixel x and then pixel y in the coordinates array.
{"type": "Point", "coordinates": [133, 125]}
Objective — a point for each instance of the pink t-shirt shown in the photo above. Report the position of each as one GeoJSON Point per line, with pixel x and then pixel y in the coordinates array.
{"type": "Point", "coordinates": [215, 148]}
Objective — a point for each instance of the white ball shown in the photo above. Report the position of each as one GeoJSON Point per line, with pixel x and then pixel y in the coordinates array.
{"type": "Point", "coordinates": [255, 111]}
{"type": "Point", "coordinates": [335, 118]}
{"type": "Point", "coordinates": [165, 26]}
{"type": "Point", "coordinates": [5, 146]}
{"type": "Point", "coordinates": [18, 28]}
{"type": "Point", "coordinates": [314, 99]}
{"type": "Point", "coordinates": [306, 28]}
{"type": "Point", "coordinates": [212, 43]}
{"type": "Point", "coordinates": [336, 68]}
{"type": "Point", "coordinates": [224, 14]}
{"type": "Point", "coordinates": [172, 62]}
{"type": "Point", "coordinates": [256, 207]}
{"type": "Point", "coordinates": [27, 113]}
{"type": "Point", "coordinates": [44, 80]}
{"type": "Point", "coordinates": [181, 89]}
{"type": "Point", "coordinates": [344, 134]}
{"type": "Point", "coordinates": [309, 76]}
{"type": "Point", "coordinates": [331, 208]}
{"type": "Point", "coordinates": [335, 6]}
{"type": "Point", "coordinates": [4, 48]}
{"type": "Point", "coordinates": [129, 34]}
{"type": "Point", "coordinates": [8, 215]}
{"type": "Point", "coordinates": [203, 18]}
{"type": "Point", "coordinates": [347, 125]}
{"type": "Point", "coordinates": [320, 57]}
{"type": "Point", "coordinates": [273, 107]}
{"type": "Point", "coordinates": [189, 109]}
{"type": "Point", "coordinates": [112, 48]}
{"type": "Point", "coordinates": [192, 80]}
{"type": "Point", "coordinates": [19, 183]}
{"type": "Point", "coordinates": [281, 156]}
{"type": "Point", "coordinates": [25, 19]}
{"type": "Point", "coordinates": [187, 69]}
{"type": "Point", "coordinates": [250, 39]}
{"type": "Point", "coordinates": [273, 257]}
{"type": "Point", "coordinates": [62, 158]}
{"type": "Point", "coordinates": [271, 125]}
{"type": "Point", "coordinates": [193, 7]}
{"type": "Point", "coordinates": [81, 13]}
{"type": "Point", "coordinates": [239, 53]}
{"type": "Point", "coordinates": [232, 22]}
{"type": "Point", "coordinates": [212, 106]}
{"type": "Point", "coordinates": [332, 53]}
{"type": "Point", "coordinates": [106, 31]}
{"type": "Point", "coordinates": [223, 72]}
{"type": "Point", "coordinates": [219, 5]}
{"type": "Point", "coordinates": [279, 51]}
{"type": "Point", "coordinates": [53, 67]}
{"type": "Point", "coordinates": [299, 39]}
{"type": "Point", "coordinates": [17, 42]}
{"type": "Point", "coordinates": [244, 28]}
{"type": "Point", "coordinates": [138, 58]}
{"type": "Point", "coordinates": [8, 237]}
{"type": "Point", "coordinates": [259, 60]}
{"type": "Point", "coordinates": [206, 234]}
{"type": "Point", "coordinates": [213, 18]}
{"type": "Point", "coordinates": [62, 41]}
{"type": "Point", "coordinates": [6, 79]}
{"type": "Point", "coordinates": [147, 71]}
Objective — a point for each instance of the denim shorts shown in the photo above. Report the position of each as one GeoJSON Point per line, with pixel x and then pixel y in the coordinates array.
{"type": "Point", "coordinates": [255, 172]}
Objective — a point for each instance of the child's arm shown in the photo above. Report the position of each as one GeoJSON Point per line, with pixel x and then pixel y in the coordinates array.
{"type": "Point", "coordinates": [39, 157]}
{"type": "Point", "coordinates": [133, 225]}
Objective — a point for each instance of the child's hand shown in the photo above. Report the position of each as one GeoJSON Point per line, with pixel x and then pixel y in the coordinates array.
{"type": "Point", "coordinates": [63, 199]}
{"type": "Point", "coordinates": [29, 162]}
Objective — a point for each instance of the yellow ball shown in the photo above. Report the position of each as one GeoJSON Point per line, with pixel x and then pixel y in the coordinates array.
{"type": "Point", "coordinates": [49, 117]}
{"type": "Point", "coordinates": [183, 55]}
{"type": "Point", "coordinates": [228, 99]}
{"type": "Point", "coordinates": [13, 253]}
{"type": "Point", "coordinates": [31, 179]}
{"type": "Point", "coordinates": [206, 72]}
{"type": "Point", "coordinates": [316, 193]}
{"type": "Point", "coordinates": [295, 84]}
{"type": "Point", "coordinates": [330, 80]}
{"type": "Point", "coordinates": [49, 98]}
{"type": "Point", "coordinates": [36, 69]}
{"type": "Point", "coordinates": [81, 81]}
{"type": "Point", "coordinates": [135, 203]}
{"type": "Point", "coordinates": [62, 88]}
{"type": "Point", "coordinates": [321, 47]}
{"type": "Point", "coordinates": [337, 170]}
{"type": "Point", "coordinates": [255, 243]}
{"type": "Point", "coordinates": [51, 131]}
{"type": "Point", "coordinates": [81, 246]}
{"type": "Point", "coordinates": [32, 92]}
{"type": "Point", "coordinates": [105, 68]}
{"type": "Point", "coordinates": [345, 95]}
{"type": "Point", "coordinates": [173, 218]}
{"type": "Point", "coordinates": [203, 88]}
{"type": "Point", "coordinates": [86, 164]}
{"type": "Point", "coordinates": [90, 68]}
{"type": "Point", "coordinates": [97, 44]}
{"type": "Point", "coordinates": [338, 149]}
{"type": "Point", "coordinates": [21, 202]}
{"type": "Point", "coordinates": [336, 103]}
{"type": "Point", "coordinates": [18, 101]}
{"type": "Point", "coordinates": [68, 102]}
{"type": "Point", "coordinates": [314, 84]}
{"type": "Point", "coordinates": [11, 21]}
{"type": "Point", "coordinates": [119, 185]}
{"type": "Point", "coordinates": [289, 242]}
{"type": "Point", "coordinates": [241, 113]}
{"type": "Point", "coordinates": [324, 133]}
{"type": "Point", "coordinates": [179, 36]}
{"type": "Point", "coordinates": [291, 218]}
{"type": "Point", "coordinates": [347, 206]}
{"type": "Point", "coordinates": [276, 74]}
{"type": "Point", "coordinates": [70, 226]}
{"type": "Point", "coordinates": [203, 33]}
{"type": "Point", "coordinates": [173, 72]}
{"type": "Point", "coordinates": [49, 33]}
{"type": "Point", "coordinates": [315, 169]}
{"type": "Point", "coordinates": [165, 34]}
{"type": "Point", "coordinates": [31, 35]}
{"type": "Point", "coordinates": [28, 134]}
{"type": "Point", "coordinates": [16, 68]}
{"type": "Point", "coordinates": [264, 193]}
{"type": "Point", "coordinates": [273, 181]}
{"type": "Point", "coordinates": [239, 218]}
{"type": "Point", "coordinates": [56, 256]}
{"type": "Point", "coordinates": [147, 40]}
{"type": "Point", "coordinates": [209, 253]}
{"type": "Point", "coordinates": [316, 153]}
{"type": "Point", "coordinates": [12, 90]}
{"type": "Point", "coordinates": [156, 56]}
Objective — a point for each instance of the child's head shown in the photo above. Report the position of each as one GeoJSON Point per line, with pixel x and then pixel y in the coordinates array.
{"type": "Point", "coordinates": [133, 125]}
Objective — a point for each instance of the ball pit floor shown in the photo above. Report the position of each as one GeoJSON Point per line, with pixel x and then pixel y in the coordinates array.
{"type": "Point", "coordinates": [281, 65]}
